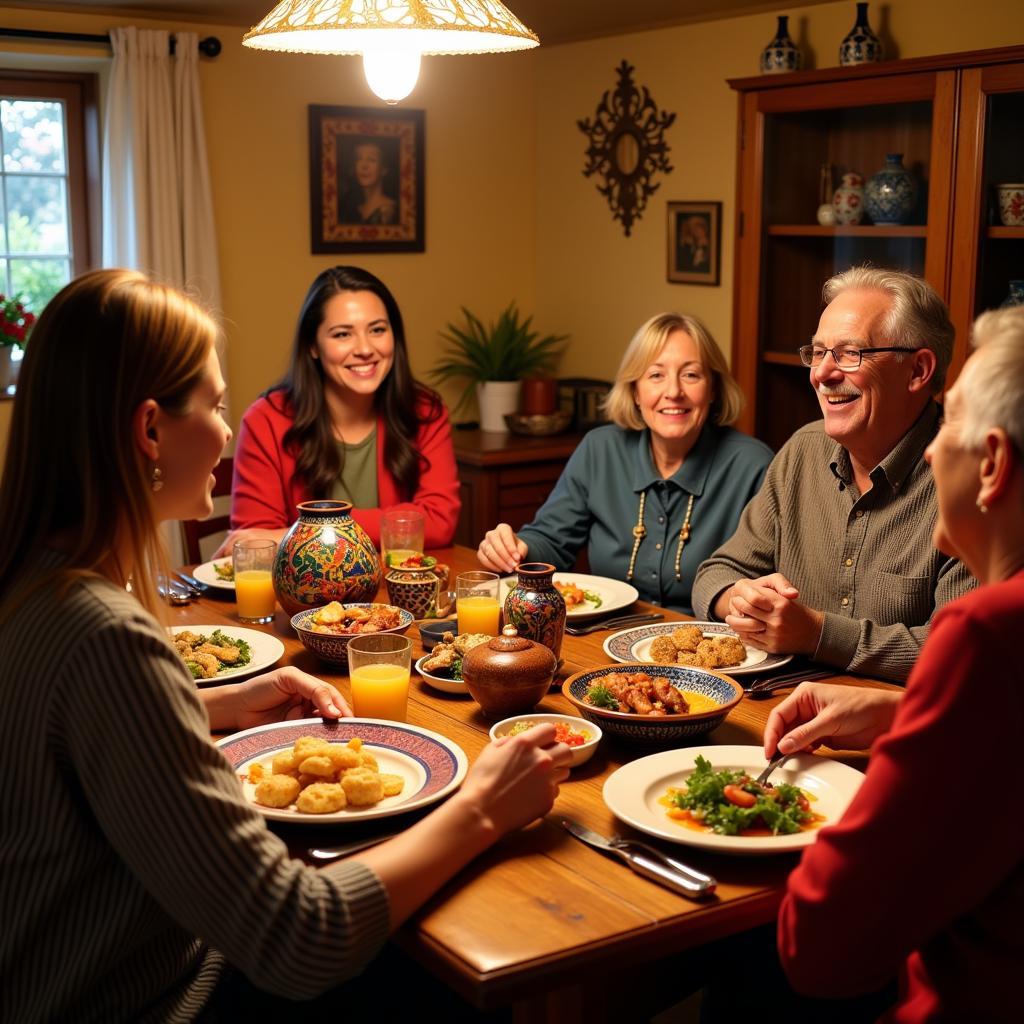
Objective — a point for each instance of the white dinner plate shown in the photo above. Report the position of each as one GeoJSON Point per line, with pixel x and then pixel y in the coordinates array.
{"type": "Point", "coordinates": [265, 648]}
{"type": "Point", "coordinates": [439, 682]}
{"type": "Point", "coordinates": [206, 573]}
{"type": "Point", "coordinates": [635, 645]}
{"type": "Point", "coordinates": [632, 793]}
{"type": "Point", "coordinates": [613, 594]}
{"type": "Point", "coordinates": [431, 765]}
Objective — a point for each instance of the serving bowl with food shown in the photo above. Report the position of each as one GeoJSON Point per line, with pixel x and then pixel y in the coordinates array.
{"type": "Point", "coordinates": [707, 797]}
{"type": "Point", "coordinates": [580, 736]}
{"type": "Point", "coordinates": [441, 667]}
{"type": "Point", "coordinates": [653, 705]}
{"type": "Point", "coordinates": [327, 630]}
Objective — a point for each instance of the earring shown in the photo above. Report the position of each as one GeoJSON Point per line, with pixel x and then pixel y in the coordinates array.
{"type": "Point", "coordinates": [156, 479]}
{"type": "Point", "coordinates": [982, 507]}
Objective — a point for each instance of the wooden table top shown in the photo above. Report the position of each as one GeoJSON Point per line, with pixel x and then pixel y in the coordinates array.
{"type": "Point", "coordinates": [542, 911]}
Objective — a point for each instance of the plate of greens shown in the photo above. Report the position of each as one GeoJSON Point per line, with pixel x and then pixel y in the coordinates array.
{"type": "Point", "coordinates": [586, 596]}
{"type": "Point", "coordinates": [219, 573]}
{"type": "Point", "coordinates": [705, 797]}
{"type": "Point", "coordinates": [218, 654]}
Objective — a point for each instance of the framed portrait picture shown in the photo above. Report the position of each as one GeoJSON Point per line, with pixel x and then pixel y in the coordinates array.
{"type": "Point", "coordinates": [694, 242]}
{"type": "Point", "coordinates": [366, 179]}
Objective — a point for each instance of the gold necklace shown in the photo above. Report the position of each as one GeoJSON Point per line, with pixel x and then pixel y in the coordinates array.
{"type": "Point", "coordinates": [640, 531]}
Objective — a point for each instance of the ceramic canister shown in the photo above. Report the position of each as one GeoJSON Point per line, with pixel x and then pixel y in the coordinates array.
{"type": "Point", "coordinates": [535, 607]}
{"type": "Point", "coordinates": [1011, 203]}
{"type": "Point", "coordinates": [848, 201]}
{"type": "Point", "coordinates": [325, 556]}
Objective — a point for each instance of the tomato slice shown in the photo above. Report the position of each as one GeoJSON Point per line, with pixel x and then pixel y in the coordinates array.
{"type": "Point", "coordinates": [739, 797]}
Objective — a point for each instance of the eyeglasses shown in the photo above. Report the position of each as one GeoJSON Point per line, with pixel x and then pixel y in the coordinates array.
{"type": "Point", "coordinates": [847, 357]}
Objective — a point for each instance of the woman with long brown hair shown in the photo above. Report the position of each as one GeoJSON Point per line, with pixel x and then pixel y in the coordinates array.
{"type": "Point", "coordinates": [136, 881]}
{"type": "Point", "coordinates": [348, 421]}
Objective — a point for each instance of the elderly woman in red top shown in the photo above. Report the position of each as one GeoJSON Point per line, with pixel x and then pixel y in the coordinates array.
{"type": "Point", "coordinates": [347, 422]}
{"type": "Point", "coordinates": [924, 874]}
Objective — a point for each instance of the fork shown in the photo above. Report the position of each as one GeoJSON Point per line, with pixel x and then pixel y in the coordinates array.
{"type": "Point", "coordinates": [625, 620]}
{"type": "Point", "coordinates": [766, 687]}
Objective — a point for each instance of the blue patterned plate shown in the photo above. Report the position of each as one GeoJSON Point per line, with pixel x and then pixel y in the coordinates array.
{"type": "Point", "coordinates": [635, 645]}
{"type": "Point", "coordinates": [432, 765]}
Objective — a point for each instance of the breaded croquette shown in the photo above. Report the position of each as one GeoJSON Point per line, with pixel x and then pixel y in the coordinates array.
{"type": "Point", "coordinates": [363, 788]}
{"type": "Point", "coordinates": [277, 791]}
{"type": "Point", "coordinates": [686, 638]}
{"type": "Point", "coordinates": [322, 798]}
{"type": "Point", "coordinates": [663, 650]}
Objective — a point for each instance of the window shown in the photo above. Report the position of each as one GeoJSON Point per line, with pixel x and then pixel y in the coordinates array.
{"type": "Point", "coordinates": [48, 168]}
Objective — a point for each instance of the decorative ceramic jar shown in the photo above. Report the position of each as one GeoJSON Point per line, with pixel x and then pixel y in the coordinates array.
{"type": "Point", "coordinates": [781, 54]}
{"type": "Point", "coordinates": [861, 45]}
{"type": "Point", "coordinates": [509, 674]}
{"type": "Point", "coordinates": [1011, 203]}
{"type": "Point", "coordinates": [848, 201]}
{"type": "Point", "coordinates": [418, 590]}
{"type": "Point", "coordinates": [1016, 296]}
{"type": "Point", "coordinates": [325, 556]}
{"type": "Point", "coordinates": [890, 196]}
{"type": "Point", "coordinates": [535, 607]}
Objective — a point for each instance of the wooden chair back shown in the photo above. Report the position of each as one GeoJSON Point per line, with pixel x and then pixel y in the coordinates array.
{"type": "Point", "coordinates": [194, 530]}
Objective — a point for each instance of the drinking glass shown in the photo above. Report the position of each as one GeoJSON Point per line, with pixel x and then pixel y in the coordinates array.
{"type": "Point", "coordinates": [401, 536]}
{"type": "Point", "coordinates": [254, 586]}
{"type": "Point", "coordinates": [476, 602]}
{"type": "Point", "coordinates": [378, 665]}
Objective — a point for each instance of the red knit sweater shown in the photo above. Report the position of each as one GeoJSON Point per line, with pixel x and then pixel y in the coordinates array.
{"type": "Point", "coordinates": [265, 490]}
{"type": "Point", "coordinates": [925, 872]}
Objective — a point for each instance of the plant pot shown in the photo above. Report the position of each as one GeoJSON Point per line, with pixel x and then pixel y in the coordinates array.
{"type": "Point", "coordinates": [497, 398]}
{"type": "Point", "coordinates": [9, 366]}
{"type": "Point", "coordinates": [325, 556]}
{"type": "Point", "coordinates": [540, 396]}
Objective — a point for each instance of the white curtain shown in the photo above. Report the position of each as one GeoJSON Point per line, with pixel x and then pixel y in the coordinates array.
{"type": "Point", "coordinates": [157, 201]}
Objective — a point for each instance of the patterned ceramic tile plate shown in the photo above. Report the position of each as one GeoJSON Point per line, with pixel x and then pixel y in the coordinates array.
{"type": "Point", "coordinates": [602, 594]}
{"type": "Point", "coordinates": [431, 765]}
{"type": "Point", "coordinates": [265, 648]}
{"type": "Point", "coordinates": [635, 645]}
{"type": "Point", "coordinates": [632, 794]}
{"type": "Point", "coordinates": [207, 573]}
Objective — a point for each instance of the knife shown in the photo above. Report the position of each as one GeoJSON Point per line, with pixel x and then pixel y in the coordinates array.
{"type": "Point", "coordinates": [334, 852]}
{"type": "Point", "coordinates": [193, 584]}
{"type": "Point", "coordinates": [647, 861]}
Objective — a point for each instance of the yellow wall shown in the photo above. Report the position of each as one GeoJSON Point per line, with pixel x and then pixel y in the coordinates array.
{"type": "Point", "coordinates": [598, 285]}
{"type": "Point", "coordinates": [509, 214]}
{"type": "Point", "coordinates": [479, 175]}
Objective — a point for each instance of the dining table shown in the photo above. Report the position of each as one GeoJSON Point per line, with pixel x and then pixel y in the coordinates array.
{"type": "Point", "coordinates": [542, 923]}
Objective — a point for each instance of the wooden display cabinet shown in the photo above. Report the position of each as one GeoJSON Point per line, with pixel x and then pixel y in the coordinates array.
{"type": "Point", "coordinates": [957, 121]}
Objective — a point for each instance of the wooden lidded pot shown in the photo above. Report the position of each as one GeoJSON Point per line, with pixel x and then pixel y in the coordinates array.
{"type": "Point", "coordinates": [509, 674]}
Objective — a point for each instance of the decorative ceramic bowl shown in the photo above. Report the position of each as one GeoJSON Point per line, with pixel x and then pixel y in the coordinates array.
{"type": "Point", "coordinates": [581, 754]}
{"type": "Point", "coordinates": [657, 730]}
{"type": "Point", "coordinates": [509, 674]}
{"type": "Point", "coordinates": [1011, 203]}
{"type": "Point", "coordinates": [333, 647]}
{"type": "Point", "coordinates": [539, 424]}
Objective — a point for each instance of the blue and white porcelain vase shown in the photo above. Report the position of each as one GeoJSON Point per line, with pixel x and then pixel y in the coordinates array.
{"type": "Point", "coordinates": [890, 196]}
{"type": "Point", "coordinates": [861, 45]}
{"type": "Point", "coordinates": [781, 54]}
{"type": "Point", "coordinates": [1016, 296]}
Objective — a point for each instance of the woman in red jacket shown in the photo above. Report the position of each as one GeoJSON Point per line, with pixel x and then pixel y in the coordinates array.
{"type": "Point", "coordinates": [348, 421]}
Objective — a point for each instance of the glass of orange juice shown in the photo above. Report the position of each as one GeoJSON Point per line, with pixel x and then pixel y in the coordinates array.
{"type": "Point", "coordinates": [476, 602]}
{"type": "Point", "coordinates": [378, 665]}
{"type": "Point", "coordinates": [254, 586]}
{"type": "Point", "coordinates": [401, 535]}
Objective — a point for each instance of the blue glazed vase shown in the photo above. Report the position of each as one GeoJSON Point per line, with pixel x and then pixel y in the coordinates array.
{"type": "Point", "coordinates": [535, 607]}
{"type": "Point", "coordinates": [781, 54]}
{"type": "Point", "coordinates": [890, 196]}
{"type": "Point", "coordinates": [861, 45]}
{"type": "Point", "coordinates": [1016, 296]}
{"type": "Point", "coordinates": [325, 556]}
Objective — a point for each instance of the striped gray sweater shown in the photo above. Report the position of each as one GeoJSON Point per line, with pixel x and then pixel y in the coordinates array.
{"type": "Point", "coordinates": [130, 866]}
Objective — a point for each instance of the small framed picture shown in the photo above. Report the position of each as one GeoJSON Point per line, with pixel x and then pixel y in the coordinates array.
{"type": "Point", "coordinates": [366, 179]}
{"type": "Point", "coordinates": [695, 242]}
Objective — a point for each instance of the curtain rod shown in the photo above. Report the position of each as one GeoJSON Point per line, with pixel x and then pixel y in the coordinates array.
{"type": "Point", "coordinates": [208, 47]}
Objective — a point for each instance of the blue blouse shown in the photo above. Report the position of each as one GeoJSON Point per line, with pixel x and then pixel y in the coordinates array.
{"type": "Point", "coordinates": [597, 501]}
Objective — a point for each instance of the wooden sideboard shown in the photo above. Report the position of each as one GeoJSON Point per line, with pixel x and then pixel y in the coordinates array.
{"type": "Point", "coordinates": [505, 478]}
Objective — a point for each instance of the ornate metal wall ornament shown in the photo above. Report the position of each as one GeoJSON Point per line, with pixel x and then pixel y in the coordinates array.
{"type": "Point", "coordinates": [627, 147]}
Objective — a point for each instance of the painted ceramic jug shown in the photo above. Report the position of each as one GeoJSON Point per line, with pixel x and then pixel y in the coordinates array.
{"type": "Point", "coordinates": [325, 556]}
{"type": "Point", "coordinates": [535, 607]}
{"type": "Point", "coordinates": [422, 590]}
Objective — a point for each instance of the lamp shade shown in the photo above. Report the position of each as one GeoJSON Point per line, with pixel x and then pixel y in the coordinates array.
{"type": "Point", "coordinates": [361, 26]}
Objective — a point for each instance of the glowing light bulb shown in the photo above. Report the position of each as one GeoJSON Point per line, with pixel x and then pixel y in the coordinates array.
{"type": "Point", "coordinates": [391, 74]}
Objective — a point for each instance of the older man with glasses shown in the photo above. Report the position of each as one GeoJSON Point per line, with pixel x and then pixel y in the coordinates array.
{"type": "Point", "coordinates": [834, 557]}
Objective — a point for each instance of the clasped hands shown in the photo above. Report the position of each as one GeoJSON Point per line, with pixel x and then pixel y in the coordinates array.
{"type": "Point", "coordinates": [766, 614]}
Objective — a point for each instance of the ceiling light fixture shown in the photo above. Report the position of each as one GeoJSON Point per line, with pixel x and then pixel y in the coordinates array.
{"type": "Point", "coordinates": [390, 34]}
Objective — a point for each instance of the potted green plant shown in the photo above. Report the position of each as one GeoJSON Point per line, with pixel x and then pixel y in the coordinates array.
{"type": "Point", "coordinates": [15, 327]}
{"type": "Point", "coordinates": [494, 359]}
